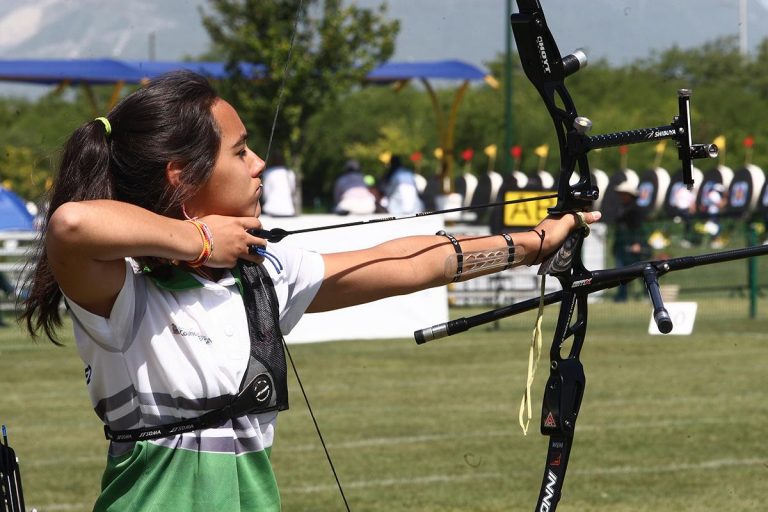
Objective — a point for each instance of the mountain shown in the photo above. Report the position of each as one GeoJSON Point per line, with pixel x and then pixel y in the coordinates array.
{"type": "Point", "coordinates": [101, 28]}
{"type": "Point", "coordinates": [471, 30]}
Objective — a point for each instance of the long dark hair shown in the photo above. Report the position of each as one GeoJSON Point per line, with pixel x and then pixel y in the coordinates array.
{"type": "Point", "coordinates": [168, 120]}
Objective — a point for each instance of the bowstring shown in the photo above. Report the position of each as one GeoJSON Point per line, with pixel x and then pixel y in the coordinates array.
{"type": "Point", "coordinates": [317, 428]}
{"type": "Point", "coordinates": [281, 90]}
{"type": "Point", "coordinates": [280, 94]}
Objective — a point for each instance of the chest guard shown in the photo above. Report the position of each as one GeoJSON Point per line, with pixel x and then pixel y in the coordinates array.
{"type": "Point", "coordinates": [265, 380]}
{"type": "Point", "coordinates": [264, 386]}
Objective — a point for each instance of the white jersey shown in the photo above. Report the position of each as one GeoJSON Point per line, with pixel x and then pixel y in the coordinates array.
{"type": "Point", "coordinates": [176, 349]}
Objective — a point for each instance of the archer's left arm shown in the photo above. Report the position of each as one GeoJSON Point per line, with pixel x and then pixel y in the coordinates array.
{"type": "Point", "coordinates": [414, 263]}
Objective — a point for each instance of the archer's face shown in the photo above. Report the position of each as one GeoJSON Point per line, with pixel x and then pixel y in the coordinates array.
{"type": "Point", "coordinates": [234, 187]}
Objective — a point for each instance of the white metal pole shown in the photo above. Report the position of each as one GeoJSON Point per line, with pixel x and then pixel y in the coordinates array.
{"type": "Point", "coordinates": [743, 48]}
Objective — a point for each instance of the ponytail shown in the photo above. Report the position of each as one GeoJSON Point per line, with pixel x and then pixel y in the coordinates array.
{"type": "Point", "coordinates": [83, 175]}
{"type": "Point", "coordinates": [124, 156]}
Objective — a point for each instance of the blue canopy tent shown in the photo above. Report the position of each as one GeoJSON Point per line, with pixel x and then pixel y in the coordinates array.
{"type": "Point", "coordinates": [441, 69]}
{"type": "Point", "coordinates": [87, 72]}
{"type": "Point", "coordinates": [400, 73]}
{"type": "Point", "coordinates": [14, 215]}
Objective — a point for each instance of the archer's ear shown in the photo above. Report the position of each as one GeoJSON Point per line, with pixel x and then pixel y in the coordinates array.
{"type": "Point", "coordinates": [173, 173]}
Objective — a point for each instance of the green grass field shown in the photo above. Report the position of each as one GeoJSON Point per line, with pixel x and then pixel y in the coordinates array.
{"type": "Point", "coordinates": [669, 423]}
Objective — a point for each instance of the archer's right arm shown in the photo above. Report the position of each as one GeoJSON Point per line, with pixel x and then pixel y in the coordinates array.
{"type": "Point", "coordinates": [87, 243]}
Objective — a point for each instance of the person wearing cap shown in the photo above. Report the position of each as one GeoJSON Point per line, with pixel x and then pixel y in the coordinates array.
{"type": "Point", "coordinates": [630, 242]}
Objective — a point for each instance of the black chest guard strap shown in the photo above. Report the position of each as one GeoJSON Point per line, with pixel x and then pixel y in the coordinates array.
{"type": "Point", "coordinates": [265, 384]}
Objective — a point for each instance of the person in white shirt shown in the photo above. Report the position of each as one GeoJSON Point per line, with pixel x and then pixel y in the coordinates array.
{"type": "Point", "coordinates": [713, 201]}
{"type": "Point", "coordinates": [401, 190]}
{"type": "Point", "coordinates": [150, 240]}
{"type": "Point", "coordinates": [278, 195]}
{"type": "Point", "coordinates": [684, 201]}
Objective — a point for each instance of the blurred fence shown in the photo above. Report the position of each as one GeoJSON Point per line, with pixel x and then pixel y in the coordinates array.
{"type": "Point", "coordinates": [15, 249]}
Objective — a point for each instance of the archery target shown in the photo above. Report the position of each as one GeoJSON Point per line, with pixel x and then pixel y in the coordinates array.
{"type": "Point", "coordinates": [762, 205]}
{"type": "Point", "coordinates": [486, 191]}
{"type": "Point", "coordinates": [744, 192]}
{"type": "Point", "coordinates": [521, 177]}
{"type": "Point", "coordinates": [466, 185]}
{"type": "Point", "coordinates": [652, 190]}
{"type": "Point", "coordinates": [546, 179]}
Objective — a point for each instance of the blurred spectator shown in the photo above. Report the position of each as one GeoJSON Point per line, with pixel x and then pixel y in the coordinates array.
{"type": "Point", "coordinates": [400, 189]}
{"type": "Point", "coordinates": [630, 244]}
{"type": "Point", "coordinates": [351, 193]}
{"type": "Point", "coordinates": [7, 288]}
{"type": "Point", "coordinates": [712, 203]}
{"type": "Point", "coordinates": [684, 201]}
{"type": "Point", "coordinates": [373, 187]}
{"type": "Point", "coordinates": [277, 199]}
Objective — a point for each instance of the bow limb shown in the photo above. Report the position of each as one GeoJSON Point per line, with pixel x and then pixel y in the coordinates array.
{"type": "Point", "coordinates": [547, 70]}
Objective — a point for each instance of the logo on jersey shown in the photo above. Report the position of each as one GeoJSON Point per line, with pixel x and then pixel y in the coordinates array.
{"type": "Point", "coordinates": [186, 333]}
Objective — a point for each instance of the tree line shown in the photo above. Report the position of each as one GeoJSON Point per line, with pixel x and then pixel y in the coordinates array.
{"type": "Point", "coordinates": [328, 114]}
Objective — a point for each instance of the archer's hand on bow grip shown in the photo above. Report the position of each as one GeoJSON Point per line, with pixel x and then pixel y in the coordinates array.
{"type": "Point", "coordinates": [561, 259]}
{"type": "Point", "coordinates": [229, 238]}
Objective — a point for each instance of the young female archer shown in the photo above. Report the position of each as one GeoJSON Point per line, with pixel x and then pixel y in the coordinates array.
{"type": "Point", "coordinates": [179, 311]}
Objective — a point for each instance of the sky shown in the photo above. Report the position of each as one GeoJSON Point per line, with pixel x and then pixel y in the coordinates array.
{"type": "Point", "coordinates": [618, 30]}
{"type": "Point", "coordinates": [470, 30]}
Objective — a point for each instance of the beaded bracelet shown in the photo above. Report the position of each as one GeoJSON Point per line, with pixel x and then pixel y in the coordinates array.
{"type": "Point", "coordinates": [207, 238]}
{"type": "Point", "coordinates": [459, 254]}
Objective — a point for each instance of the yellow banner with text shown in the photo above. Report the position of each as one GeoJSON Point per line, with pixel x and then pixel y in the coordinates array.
{"type": "Point", "coordinates": [526, 214]}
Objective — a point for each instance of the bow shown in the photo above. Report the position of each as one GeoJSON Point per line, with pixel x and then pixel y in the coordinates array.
{"type": "Point", "coordinates": [547, 70]}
